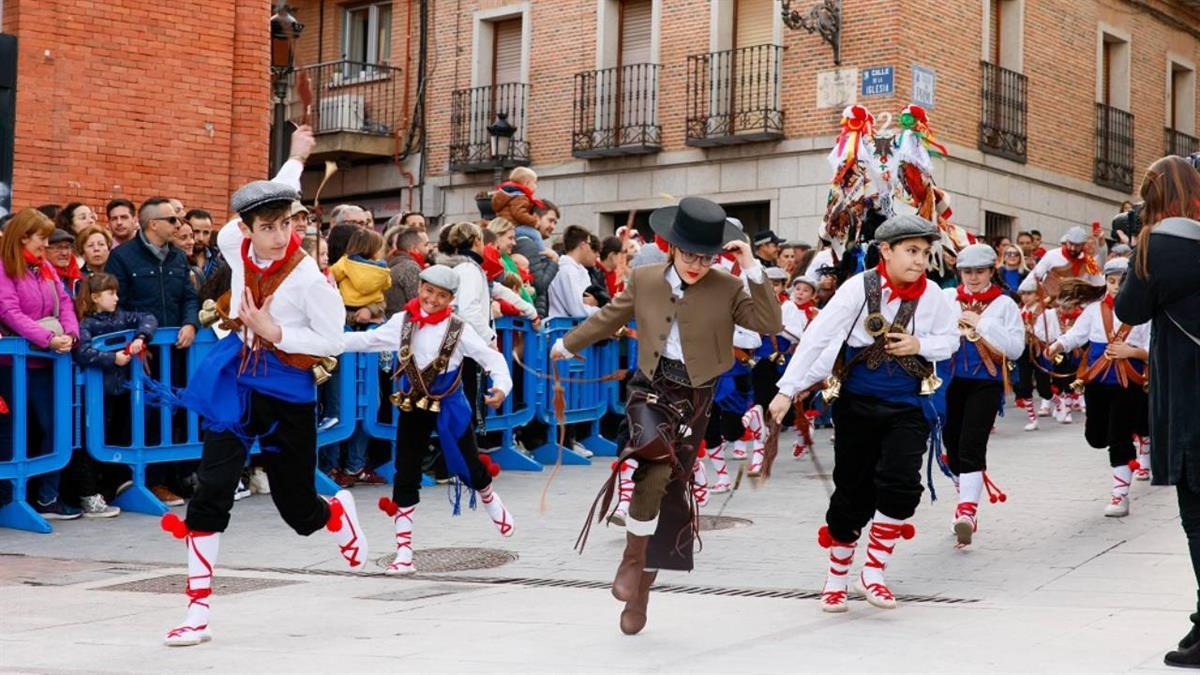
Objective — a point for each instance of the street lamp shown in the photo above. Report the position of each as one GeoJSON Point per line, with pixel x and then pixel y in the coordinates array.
{"type": "Point", "coordinates": [285, 32]}
{"type": "Point", "coordinates": [501, 133]}
{"type": "Point", "coordinates": [824, 18]}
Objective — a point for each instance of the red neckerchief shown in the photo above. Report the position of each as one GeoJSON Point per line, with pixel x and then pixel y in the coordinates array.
{"type": "Point", "coordinates": [418, 257]}
{"type": "Point", "coordinates": [524, 190]}
{"type": "Point", "coordinates": [292, 247]}
{"type": "Point", "coordinates": [44, 268]}
{"type": "Point", "coordinates": [736, 269]}
{"type": "Point", "coordinates": [71, 272]}
{"type": "Point", "coordinates": [1108, 300]}
{"type": "Point", "coordinates": [912, 291]}
{"type": "Point", "coordinates": [615, 284]}
{"type": "Point", "coordinates": [1068, 317]}
{"type": "Point", "coordinates": [419, 317]}
{"type": "Point", "coordinates": [984, 297]}
{"type": "Point", "coordinates": [809, 308]}
{"type": "Point", "coordinates": [1082, 263]}
{"type": "Point", "coordinates": [783, 297]}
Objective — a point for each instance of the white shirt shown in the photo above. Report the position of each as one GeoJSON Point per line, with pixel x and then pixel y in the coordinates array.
{"type": "Point", "coordinates": [823, 258]}
{"type": "Point", "coordinates": [1046, 327]}
{"type": "Point", "coordinates": [1089, 327]}
{"type": "Point", "coordinates": [1055, 259]}
{"type": "Point", "coordinates": [308, 310]}
{"type": "Point", "coordinates": [841, 320]}
{"type": "Point", "coordinates": [795, 321]}
{"type": "Point", "coordinates": [567, 289]}
{"type": "Point", "coordinates": [473, 300]}
{"type": "Point", "coordinates": [999, 323]}
{"type": "Point", "coordinates": [427, 344]}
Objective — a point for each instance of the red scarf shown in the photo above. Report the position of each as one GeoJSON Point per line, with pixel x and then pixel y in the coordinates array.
{"type": "Point", "coordinates": [275, 266]}
{"type": "Point", "coordinates": [809, 308]}
{"type": "Point", "coordinates": [1108, 300]}
{"type": "Point", "coordinates": [524, 190]}
{"type": "Point", "coordinates": [912, 291]}
{"type": "Point", "coordinates": [984, 297]}
{"type": "Point", "coordinates": [735, 269]}
{"type": "Point", "coordinates": [615, 283]}
{"type": "Point", "coordinates": [1081, 263]}
{"type": "Point", "coordinates": [419, 317]}
{"type": "Point", "coordinates": [418, 257]}
{"type": "Point", "coordinates": [40, 264]}
{"type": "Point", "coordinates": [1068, 317]}
{"type": "Point", "coordinates": [71, 273]}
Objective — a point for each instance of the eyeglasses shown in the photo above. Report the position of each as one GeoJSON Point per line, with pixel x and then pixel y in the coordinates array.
{"type": "Point", "coordinates": [694, 258]}
{"type": "Point", "coordinates": [1012, 254]}
{"type": "Point", "coordinates": [174, 220]}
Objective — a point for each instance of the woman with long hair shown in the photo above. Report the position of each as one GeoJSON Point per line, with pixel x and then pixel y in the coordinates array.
{"type": "Point", "coordinates": [1012, 269]}
{"type": "Point", "coordinates": [1163, 287]}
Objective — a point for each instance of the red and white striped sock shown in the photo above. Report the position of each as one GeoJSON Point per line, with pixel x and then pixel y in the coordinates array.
{"type": "Point", "coordinates": [720, 467]}
{"type": "Point", "coordinates": [1122, 476]}
{"type": "Point", "coordinates": [882, 538]}
{"type": "Point", "coordinates": [202, 549]}
{"type": "Point", "coordinates": [837, 579]}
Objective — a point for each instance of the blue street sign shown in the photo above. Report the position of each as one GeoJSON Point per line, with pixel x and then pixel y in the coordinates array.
{"type": "Point", "coordinates": [924, 81]}
{"type": "Point", "coordinates": [878, 81]}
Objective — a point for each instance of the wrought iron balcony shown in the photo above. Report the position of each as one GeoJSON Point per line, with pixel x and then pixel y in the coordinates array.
{"type": "Point", "coordinates": [355, 110]}
{"type": "Point", "coordinates": [616, 112]}
{"type": "Point", "coordinates": [733, 96]}
{"type": "Point", "coordinates": [472, 110]}
{"type": "Point", "coordinates": [1179, 143]}
{"type": "Point", "coordinates": [1002, 122]}
{"type": "Point", "coordinates": [1113, 165]}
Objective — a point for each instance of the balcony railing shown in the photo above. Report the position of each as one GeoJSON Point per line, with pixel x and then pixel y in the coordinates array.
{"type": "Point", "coordinates": [616, 112]}
{"type": "Point", "coordinates": [1114, 148]}
{"type": "Point", "coordinates": [1002, 123]}
{"type": "Point", "coordinates": [1179, 143]}
{"type": "Point", "coordinates": [350, 96]}
{"type": "Point", "coordinates": [733, 96]}
{"type": "Point", "coordinates": [472, 111]}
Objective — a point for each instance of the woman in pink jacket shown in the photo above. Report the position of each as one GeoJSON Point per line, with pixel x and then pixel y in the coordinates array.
{"type": "Point", "coordinates": [34, 305]}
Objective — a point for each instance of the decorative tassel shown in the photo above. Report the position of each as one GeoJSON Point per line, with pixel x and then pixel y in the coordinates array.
{"type": "Point", "coordinates": [995, 494]}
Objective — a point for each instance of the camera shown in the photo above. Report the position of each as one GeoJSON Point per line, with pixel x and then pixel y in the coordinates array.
{"type": "Point", "coordinates": [1129, 222]}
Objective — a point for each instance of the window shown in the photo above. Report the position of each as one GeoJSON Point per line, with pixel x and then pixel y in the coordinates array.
{"type": "Point", "coordinates": [1113, 72]}
{"type": "Point", "coordinates": [368, 33]}
{"type": "Point", "coordinates": [506, 52]}
{"type": "Point", "coordinates": [1180, 127]}
{"type": "Point", "coordinates": [1005, 34]}
{"type": "Point", "coordinates": [754, 23]}
{"type": "Point", "coordinates": [636, 27]}
{"type": "Point", "coordinates": [997, 226]}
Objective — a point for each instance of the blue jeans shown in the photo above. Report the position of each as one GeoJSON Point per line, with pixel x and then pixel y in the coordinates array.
{"type": "Point", "coordinates": [40, 398]}
{"type": "Point", "coordinates": [329, 456]}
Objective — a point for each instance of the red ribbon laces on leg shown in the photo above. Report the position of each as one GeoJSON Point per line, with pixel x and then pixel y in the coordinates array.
{"type": "Point", "coordinates": [995, 494]}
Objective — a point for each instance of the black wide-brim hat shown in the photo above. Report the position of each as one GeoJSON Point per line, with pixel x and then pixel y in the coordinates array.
{"type": "Point", "coordinates": [696, 225]}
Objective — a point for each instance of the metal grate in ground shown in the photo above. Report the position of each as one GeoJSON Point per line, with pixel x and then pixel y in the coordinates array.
{"type": "Point", "coordinates": [176, 583]}
{"type": "Point", "coordinates": [438, 560]}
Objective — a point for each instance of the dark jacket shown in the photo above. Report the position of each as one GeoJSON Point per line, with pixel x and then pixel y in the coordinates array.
{"type": "Point", "coordinates": [405, 282]}
{"type": "Point", "coordinates": [541, 267]}
{"type": "Point", "coordinates": [1173, 286]}
{"type": "Point", "coordinates": [103, 323]}
{"type": "Point", "coordinates": [163, 289]}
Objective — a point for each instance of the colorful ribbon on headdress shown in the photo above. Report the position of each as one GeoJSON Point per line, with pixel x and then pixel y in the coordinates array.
{"type": "Point", "coordinates": [914, 119]}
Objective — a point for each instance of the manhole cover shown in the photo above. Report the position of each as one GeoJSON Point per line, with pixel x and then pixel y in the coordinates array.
{"type": "Point", "coordinates": [723, 523]}
{"type": "Point", "coordinates": [434, 560]}
{"type": "Point", "coordinates": [176, 583]}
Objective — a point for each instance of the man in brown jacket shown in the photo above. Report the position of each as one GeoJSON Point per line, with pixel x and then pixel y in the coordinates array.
{"type": "Point", "coordinates": [685, 312]}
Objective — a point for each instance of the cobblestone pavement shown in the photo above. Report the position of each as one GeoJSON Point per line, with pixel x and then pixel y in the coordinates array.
{"type": "Point", "coordinates": [1050, 585]}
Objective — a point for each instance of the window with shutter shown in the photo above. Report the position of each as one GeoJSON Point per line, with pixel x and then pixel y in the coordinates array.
{"type": "Point", "coordinates": [506, 59]}
{"type": "Point", "coordinates": [754, 23]}
{"type": "Point", "coordinates": [635, 32]}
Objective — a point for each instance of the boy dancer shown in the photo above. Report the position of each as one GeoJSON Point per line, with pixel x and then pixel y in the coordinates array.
{"type": "Point", "coordinates": [258, 382]}
{"type": "Point", "coordinates": [431, 343]}
{"type": "Point", "coordinates": [888, 326]}
{"type": "Point", "coordinates": [685, 312]}
{"type": "Point", "coordinates": [992, 334]}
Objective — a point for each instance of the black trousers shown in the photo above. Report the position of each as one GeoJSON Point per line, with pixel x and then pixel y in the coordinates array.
{"type": "Point", "coordinates": [1189, 518]}
{"type": "Point", "coordinates": [971, 407]}
{"type": "Point", "coordinates": [727, 426]}
{"type": "Point", "coordinates": [877, 462]}
{"type": "Point", "coordinates": [1024, 384]}
{"type": "Point", "coordinates": [287, 434]}
{"type": "Point", "coordinates": [413, 431]}
{"type": "Point", "coordinates": [1112, 418]}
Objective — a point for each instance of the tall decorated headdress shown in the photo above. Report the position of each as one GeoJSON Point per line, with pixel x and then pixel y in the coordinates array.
{"type": "Point", "coordinates": [858, 192]}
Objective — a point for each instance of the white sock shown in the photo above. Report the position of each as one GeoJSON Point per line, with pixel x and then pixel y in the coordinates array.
{"type": "Point", "coordinates": [717, 457]}
{"type": "Point", "coordinates": [641, 528]}
{"type": "Point", "coordinates": [625, 483]}
{"type": "Point", "coordinates": [1122, 475]}
{"type": "Point", "coordinates": [970, 486]}
{"type": "Point", "coordinates": [404, 529]}
{"type": "Point", "coordinates": [1143, 452]}
{"type": "Point", "coordinates": [841, 556]}
{"type": "Point", "coordinates": [882, 538]}
{"type": "Point", "coordinates": [202, 558]}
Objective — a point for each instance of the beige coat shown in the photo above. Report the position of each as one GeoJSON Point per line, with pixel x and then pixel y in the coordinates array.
{"type": "Point", "coordinates": [706, 314]}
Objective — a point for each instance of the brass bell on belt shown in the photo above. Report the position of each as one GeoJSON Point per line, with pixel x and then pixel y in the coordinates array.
{"type": "Point", "coordinates": [401, 401]}
{"type": "Point", "coordinates": [324, 369]}
{"type": "Point", "coordinates": [423, 403]}
{"type": "Point", "coordinates": [930, 384]}
{"type": "Point", "coordinates": [1078, 385]}
{"type": "Point", "coordinates": [833, 387]}
{"type": "Point", "coordinates": [435, 406]}
{"type": "Point", "coordinates": [208, 313]}
{"type": "Point", "coordinates": [1058, 358]}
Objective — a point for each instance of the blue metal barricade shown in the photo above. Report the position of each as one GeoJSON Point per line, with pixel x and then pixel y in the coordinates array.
{"type": "Point", "coordinates": [16, 464]}
{"type": "Point", "coordinates": [517, 336]}
{"type": "Point", "coordinates": [368, 404]}
{"type": "Point", "coordinates": [141, 452]}
{"type": "Point", "coordinates": [586, 398]}
{"type": "Point", "coordinates": [623, 355]}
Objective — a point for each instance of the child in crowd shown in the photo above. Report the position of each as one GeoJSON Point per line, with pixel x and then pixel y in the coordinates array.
{"type": "Point", "coordinates": [96, 305]}
{"type": "Point", "coordinates": [514, 199]}
{"type": "Point", "coordinates": [362, 275]}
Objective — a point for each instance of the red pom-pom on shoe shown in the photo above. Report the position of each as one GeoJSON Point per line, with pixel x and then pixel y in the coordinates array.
{"type": "Point", "coordinates": [908, 531]}
{"type": "Point", "coordinates": [824, 538]}
{"type": "Point", "coordinates": [173, 524]}
{"type": "Point", "coordinates": [1133, 464]}
{"type": "Point", "coordinates": [387, 506]}
{"type": "Point", "coordinates": [486, 460]}
{"type": "Point", "coordinates": [336, 511]}
{"type": "Point", "coordinates": [701, 453]}
{"type": "Point", "coordinates": [493, 470]}
{"type": "Point", "coordinates": [1003, 497]}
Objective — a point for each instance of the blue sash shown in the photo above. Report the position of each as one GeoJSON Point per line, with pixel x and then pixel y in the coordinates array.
{"type": "Point", "coordinates": [1096, 352]}
{"type": "Point", "coordinates": [966, 364]}
{"type": "Point", "coordinates": [452, 422]}
{"type": "Point", "coordinates": [726, 394]}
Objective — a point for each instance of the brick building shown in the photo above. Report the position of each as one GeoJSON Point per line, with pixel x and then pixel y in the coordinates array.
{"type": "Point", "coordinates": [127, 98]}
{"type": "Point", "coordinates": [1051, 109]}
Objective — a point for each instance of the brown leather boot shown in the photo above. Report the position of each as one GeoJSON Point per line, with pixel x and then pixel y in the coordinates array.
{"type": "Point", "coordinates": [633, 617]}
{"type": "Point", "coordinates": [629, 572]}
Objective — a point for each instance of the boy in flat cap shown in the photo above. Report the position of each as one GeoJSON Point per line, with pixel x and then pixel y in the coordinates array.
{"type": "Point", "coordinates": [257, 383]}
{"type": "Point", "coordinates": [686, 311]}
{"type": "Point", "coordinates": [879, 337]}
{"type": "Point", "coordinates": [992, 335]}
{"type": "Point", "coordinates": [431, 343]}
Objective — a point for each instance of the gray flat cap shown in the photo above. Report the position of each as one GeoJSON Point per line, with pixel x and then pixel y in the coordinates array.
{"type": "Point", "coordinates": [440, 276]}
{"type": "Point", "coordinates": [1122, 249]}
{"type": "Point", "coordinates": [1116, 266]}
{"type": "Point", "coordinates": [261, 192]}
{"type": "Point", "coordinates": [1076, 235]}
{"type": "Point", "coordinates": [977, 255]}
{"type": "Point", "coordinates": [777, 274]}
{"type": "Point", "coordinates": [806, 280]}
{"type": "Point", "coordinates": [1028, 284]}
{"type": "Point", "coordinates": [906, 226]}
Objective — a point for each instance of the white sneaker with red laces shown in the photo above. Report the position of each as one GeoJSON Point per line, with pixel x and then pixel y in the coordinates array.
{"type": "Point", "coordinates": [884, 534]}
{"type": "Point", "coordinates": [1118, 507]}
{"type": "Point", "coordinates": [347, 533]}
{"type": "Point", "coordinates": [1046, 408]}
{"type": "Point", "coordinates": [965, 524]}
{"type": "Point", "coordinates": [841, 556]}
{"type": "Point", "coordinates": [739, 449]}
{"type": "Point", "coordinates": [500, 516]}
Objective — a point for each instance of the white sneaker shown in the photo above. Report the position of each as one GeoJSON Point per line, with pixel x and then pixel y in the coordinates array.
{"type": "Point", "coordinates": [259, 484]}
{"type": "Point", "coordinates": [1138, 474]}
{"type": "Point", "coordinates": [720, 488]}
{"type": "Point", "coordinates": [1045, 409]}
{"type": "Point", "coordinates": [327, 423]}
{"type": "Point", "coordinates": [1067, 418]}
{"type": "Point", "coordinates": [1118, 507]}
{"type": "Point", "coordinates": [187, 636]}
{"type": "Point", "coordinates": [241, 492]}
{"type": "Point", "coordinates": [582, 450]}
{"type": "Point", "coordinates": [1032, 426]}
{"type": "Point", "coordinates": [618, 516]}
{"type": "Point", "coordinates": [94, 506]}
{"type": "Point", "coordinates": [739, 449]}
